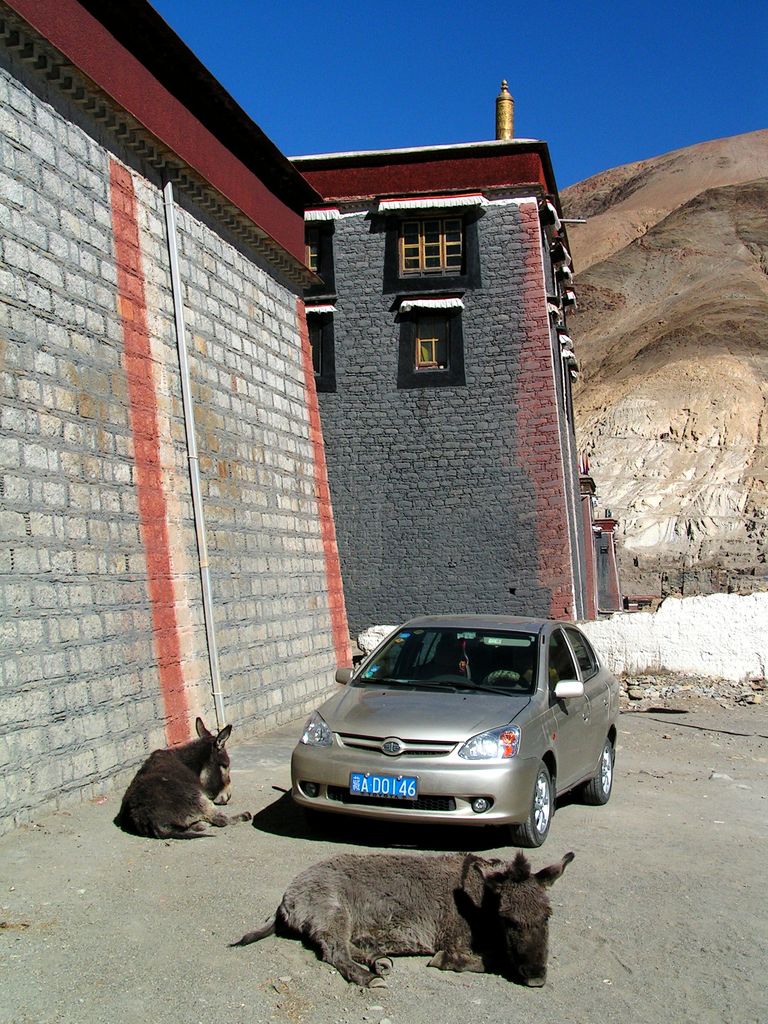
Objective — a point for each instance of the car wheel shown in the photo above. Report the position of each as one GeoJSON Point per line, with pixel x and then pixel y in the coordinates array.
{"type": "Point", "coordinates": [598, 789]}
{"type": "Point", "coordinates": [533, 831]}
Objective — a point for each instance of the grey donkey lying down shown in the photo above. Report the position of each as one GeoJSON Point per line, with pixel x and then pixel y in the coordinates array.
{"type": "Point", "coordinates": [468, 912]}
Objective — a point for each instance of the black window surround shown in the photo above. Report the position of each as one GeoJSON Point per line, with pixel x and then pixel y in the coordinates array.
{"type": "Point", "coordinates": [407, 374]}
{"type": "Point", "coordinates": [321, 340]}
{"type": "Point", "coordinates": [325, 265]}
{"type": "Point", "coordinates": [408, 284]}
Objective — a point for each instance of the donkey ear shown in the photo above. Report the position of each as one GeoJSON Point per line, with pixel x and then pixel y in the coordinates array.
{"type": "Point", "coordinates": [547, 876]}
{"type": "Point", "coordinates": [200, 728]}
{"type": "Point", "coordinates": [477, 874]}
{"type": "Point", "coordinates": [223, 736]}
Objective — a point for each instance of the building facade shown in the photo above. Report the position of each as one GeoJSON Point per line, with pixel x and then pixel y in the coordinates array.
{"type": "Point", "coordinates": [168, 546]}
{"type": "Point", "coordinates": [444, 372]}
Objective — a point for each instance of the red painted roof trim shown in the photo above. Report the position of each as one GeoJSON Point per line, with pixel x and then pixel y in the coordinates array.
{"type": "Point", "coordinates": [98, 54]}
{"type": "Point", "coordinates": [341, 177]}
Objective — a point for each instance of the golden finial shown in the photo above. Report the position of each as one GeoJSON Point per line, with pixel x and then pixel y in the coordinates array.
{"type": "Point", "coordinates": [505, 112]}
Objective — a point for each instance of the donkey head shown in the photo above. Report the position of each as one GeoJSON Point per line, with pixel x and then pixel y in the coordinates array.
{"type": "Point", "coordinates": [214, 772]}
{"type": "Point", "coordinates": [515, 901]}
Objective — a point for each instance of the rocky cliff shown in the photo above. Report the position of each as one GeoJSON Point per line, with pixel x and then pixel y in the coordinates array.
{"type": "Point", "coordinates": [672, 338]}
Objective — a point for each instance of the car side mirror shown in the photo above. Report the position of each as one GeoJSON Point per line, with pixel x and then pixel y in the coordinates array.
{"type": "Point", "coordinates": [343, 675]}
{"type": "Point", "coordinates": [568, 688]}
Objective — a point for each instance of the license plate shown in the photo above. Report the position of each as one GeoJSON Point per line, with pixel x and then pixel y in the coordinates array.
{"type": "Point", "coordinates": [393, 787]}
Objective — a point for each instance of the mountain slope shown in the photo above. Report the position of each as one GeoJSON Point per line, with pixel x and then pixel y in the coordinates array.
{"type": "Point", "coordinates": [621, 204]}
{"type": "Point", "coordinates": [672, 336]}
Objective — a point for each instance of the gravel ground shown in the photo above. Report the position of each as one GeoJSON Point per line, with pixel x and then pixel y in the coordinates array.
{"type": "Point", "coordinates": [661, 917]}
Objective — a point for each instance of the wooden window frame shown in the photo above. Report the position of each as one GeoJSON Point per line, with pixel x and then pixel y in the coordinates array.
{"type": "Point", "coordinates": [435, 338]}
{"type": "Point", "coordinates": [312, 237]}
{"type": "Point", "coordinates": [419, 249]}
{"type": "Point", "coordinates": [318, 249]}
{"type": "Point", "coordinates": [409, 373]}
{"type": "Point", "coordinates": [462, 278]}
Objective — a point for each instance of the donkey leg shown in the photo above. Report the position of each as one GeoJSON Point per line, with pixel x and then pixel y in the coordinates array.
{"type": "Point", "coordinates": [217, 818]}
{"type": "Point", "coordinates": [194, 830]}
{"type": "Point", "coordinates": [332, 934]}
{"type": "Point", "coordinates": [366, 953]}
{"type": "Point", "coordinates": [338, 954]}
{"type": "Point", "coordinates": [457, 960]}
{"type": "Point", "coordinates": [222, 820]}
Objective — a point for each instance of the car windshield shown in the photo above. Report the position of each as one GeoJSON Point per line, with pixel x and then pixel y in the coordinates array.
{"type": "Point", "coordinates": [460, 659]}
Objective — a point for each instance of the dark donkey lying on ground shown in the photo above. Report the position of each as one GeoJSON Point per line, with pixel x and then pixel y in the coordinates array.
{"type": "Point", "coordinates": [472, 914]}
{"type": "Point", "coordinates": [172, 795]}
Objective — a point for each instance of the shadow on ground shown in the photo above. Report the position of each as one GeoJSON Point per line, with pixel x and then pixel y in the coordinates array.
{"type": "Point", "coordinates": [284, 818]}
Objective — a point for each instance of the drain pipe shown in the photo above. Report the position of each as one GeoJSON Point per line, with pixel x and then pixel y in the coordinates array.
{"type": "Point", "coordinates": [194, 462]}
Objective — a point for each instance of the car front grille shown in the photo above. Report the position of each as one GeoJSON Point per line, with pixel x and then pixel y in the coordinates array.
{"type": "Point", "coordinates": [411, 748]}
{"type": "Point", "coordinates": [422, 803]}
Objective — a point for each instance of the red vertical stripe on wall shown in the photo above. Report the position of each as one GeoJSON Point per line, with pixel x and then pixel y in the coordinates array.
{"type": "Point", "coordinates": [538, 434]}
{"type": "Point", "coordinates": [339, 624]}
{"type": "Point", "coordinates": [137, 361]}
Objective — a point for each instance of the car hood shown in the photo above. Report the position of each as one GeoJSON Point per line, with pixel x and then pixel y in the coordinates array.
{"type": "Point", "coordinates": [419, 714]}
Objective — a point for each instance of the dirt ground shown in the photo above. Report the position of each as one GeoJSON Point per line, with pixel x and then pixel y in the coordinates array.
{"type": "Point", "coordinates": [662, 917]}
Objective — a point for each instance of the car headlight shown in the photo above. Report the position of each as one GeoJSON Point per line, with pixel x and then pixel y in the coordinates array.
{"type": "Point", "coordinates": [316, 732]}
{"type": "Point", "coordinates": [494, 745]}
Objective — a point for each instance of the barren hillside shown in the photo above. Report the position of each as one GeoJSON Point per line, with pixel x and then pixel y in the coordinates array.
{"type": "Point", "coordinates": [672, 336]}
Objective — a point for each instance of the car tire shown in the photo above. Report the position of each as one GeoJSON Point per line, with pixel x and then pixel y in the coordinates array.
{"type": "Point", "coordinates": [534, 830]}
{"type": "Point", "coordinates": [598, 790]}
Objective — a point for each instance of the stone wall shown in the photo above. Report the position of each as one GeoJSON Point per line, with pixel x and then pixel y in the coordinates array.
{"type": "Point", "coordinates": [104, 653]}
{"type": "Point", "coordinates": [451, 498]}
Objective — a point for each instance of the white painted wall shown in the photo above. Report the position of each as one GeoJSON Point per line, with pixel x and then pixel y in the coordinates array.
{"type": "Point", "coordinates": [723, 636]}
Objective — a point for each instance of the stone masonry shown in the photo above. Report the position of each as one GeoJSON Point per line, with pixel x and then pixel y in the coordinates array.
{"type": "Point", "coordinates": [451, 499]}
{"type": "Point", "coordinates": [104, 653]}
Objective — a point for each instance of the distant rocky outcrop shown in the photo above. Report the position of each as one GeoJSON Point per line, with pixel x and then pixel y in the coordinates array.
{"type": "Point", "coordinates": [672, 338]}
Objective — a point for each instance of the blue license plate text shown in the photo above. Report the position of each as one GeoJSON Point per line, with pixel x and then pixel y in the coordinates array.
{"type": "Point", "coordinates": [395, 787]}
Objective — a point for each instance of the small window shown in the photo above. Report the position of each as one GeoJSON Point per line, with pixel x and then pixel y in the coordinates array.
{"type": "Point", "coordinates": [320, 328]}
{"type": "Point", "coordinates": [318, 255]}
{"type": "Point", "coordinates": [561, 664]}
{"type": "Point", "coordinates": [584, 653]}
{"type": "Point", "coordinates": [312, 249]}
{"type": "Point", "coordinates": [431, 350]}
{"type": "Point", "coordinates": [433, 246]}
{"type": "Point", "coordinates": [431, 343]}
{"type": "Point", "coordinates": [316, 343]}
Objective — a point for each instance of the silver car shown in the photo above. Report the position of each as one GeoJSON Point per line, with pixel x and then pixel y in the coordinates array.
{"type": "Point", "coordinates": [471, 719]}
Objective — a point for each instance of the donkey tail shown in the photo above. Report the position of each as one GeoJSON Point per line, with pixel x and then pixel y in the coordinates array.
{"type": "Point", "coordinates": [268, 928]}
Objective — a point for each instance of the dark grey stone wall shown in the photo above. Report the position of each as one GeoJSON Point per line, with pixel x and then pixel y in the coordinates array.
{"type": "Point", "coordinates": [433, 496]}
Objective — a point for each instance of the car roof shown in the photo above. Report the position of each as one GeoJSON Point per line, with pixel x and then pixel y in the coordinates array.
{"type": "Point", "coordinates": [510, 622]}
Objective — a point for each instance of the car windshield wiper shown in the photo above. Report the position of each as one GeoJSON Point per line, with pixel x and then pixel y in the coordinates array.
{"type": "Point", "coordinates": [468, 684]}
{"type": "Point", "coordinates": [426, 684]}
{"type": "Point", "coordinates": [389, 681]}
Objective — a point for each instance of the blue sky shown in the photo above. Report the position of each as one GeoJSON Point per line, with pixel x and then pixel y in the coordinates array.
{"type": "Point", "coordinates": [603, 83]}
